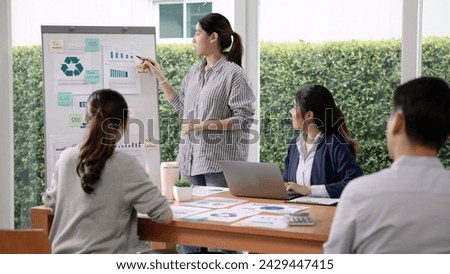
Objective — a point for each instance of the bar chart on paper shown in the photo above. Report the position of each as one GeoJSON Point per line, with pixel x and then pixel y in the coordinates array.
{"type": "Point", "coordinates": [119, 68]}
{"type": "Point", "coordinates": [121, 55]}
{"type": "Point", "coordinates": [115, 73]}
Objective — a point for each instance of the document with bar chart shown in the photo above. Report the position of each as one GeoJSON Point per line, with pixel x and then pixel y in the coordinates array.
{"type": "Point", "coordinates": [119, 68]}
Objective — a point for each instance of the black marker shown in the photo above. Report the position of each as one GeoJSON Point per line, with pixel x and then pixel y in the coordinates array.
{"type": "Point", "coordinates": [144, 59]}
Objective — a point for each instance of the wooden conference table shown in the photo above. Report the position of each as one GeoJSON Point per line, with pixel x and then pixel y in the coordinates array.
{"type": "Point", "coordinates": [294, 240]}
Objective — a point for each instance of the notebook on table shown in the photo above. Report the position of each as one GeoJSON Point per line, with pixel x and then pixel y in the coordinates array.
{"type": "Point", "coordinates": [315, 200]}
{"type": "Point", "coordinates": [257, 180]}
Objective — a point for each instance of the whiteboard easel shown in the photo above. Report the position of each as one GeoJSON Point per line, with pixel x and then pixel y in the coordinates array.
{"type": "Point", "coordinates": [80, 60]}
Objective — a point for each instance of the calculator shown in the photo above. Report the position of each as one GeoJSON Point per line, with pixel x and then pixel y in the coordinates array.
{"type": "Point", "coordinates": [303, 218]}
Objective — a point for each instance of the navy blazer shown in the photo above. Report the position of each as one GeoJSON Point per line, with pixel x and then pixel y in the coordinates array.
{"type": "Point", "coordinates": [333, 165]}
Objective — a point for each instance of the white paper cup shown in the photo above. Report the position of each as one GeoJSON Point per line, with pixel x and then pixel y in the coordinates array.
{"type": "Point", "coordinates": [170, 173]}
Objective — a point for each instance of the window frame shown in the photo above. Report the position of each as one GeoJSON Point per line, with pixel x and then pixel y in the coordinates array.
{"type": "Point", "coordinates": [185, 4]}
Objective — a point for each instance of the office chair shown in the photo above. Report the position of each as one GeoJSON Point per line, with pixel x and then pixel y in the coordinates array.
{"type": "Point", "coordinates": [24, 241]}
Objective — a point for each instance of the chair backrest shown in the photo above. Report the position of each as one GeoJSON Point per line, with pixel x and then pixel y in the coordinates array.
{"type": "Point", "coordinates": [24, 241]}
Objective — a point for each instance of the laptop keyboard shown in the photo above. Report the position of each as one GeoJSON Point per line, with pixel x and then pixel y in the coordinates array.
{"type": "Point", "coordinates": [292, 194]}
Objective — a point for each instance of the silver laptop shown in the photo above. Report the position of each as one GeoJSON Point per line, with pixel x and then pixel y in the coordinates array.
{"type": "Point", "coordinates": [258, 180]}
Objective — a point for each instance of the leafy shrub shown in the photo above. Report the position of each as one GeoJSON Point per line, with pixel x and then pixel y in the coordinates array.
{"type": "Point", "coordinates": [29, 175]}
{"type": "Point", "coordinates": [361, 74]}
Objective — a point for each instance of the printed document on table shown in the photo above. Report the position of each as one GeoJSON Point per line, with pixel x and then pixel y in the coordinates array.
{"type": "Point", "coordinates": [207, 190]}
{"type": "Point", "coordinates": [222, 215]}
{"type": "Point", "coordinates": [213, 202]}
{"type": "Point", "coordinates": [264, 221]}
{"type": "Point", "coordinates": [314, 200]}
{"type": "Point", "coordinates": [184, 211]}
{"type": "Point", "coordinates": [274, 208]}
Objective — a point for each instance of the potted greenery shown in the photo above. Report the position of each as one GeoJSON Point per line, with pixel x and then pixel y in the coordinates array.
{"type": "Point", "coordinates": [182, 190]}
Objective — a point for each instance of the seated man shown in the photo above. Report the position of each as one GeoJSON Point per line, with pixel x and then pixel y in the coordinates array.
{"type": "Point", "coordinates": [404, 208]}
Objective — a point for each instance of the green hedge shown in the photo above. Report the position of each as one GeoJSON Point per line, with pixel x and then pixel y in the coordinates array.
{"type": "Point", "coordinates": [361, 74]}
{"type": "Point", "coordinates": [29, 156]}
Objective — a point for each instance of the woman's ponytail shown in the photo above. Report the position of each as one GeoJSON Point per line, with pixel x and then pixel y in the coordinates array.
{"type": "Point", "coordinates": [107, 115]}
{"type": "Point", "coordinates": [236, 51]}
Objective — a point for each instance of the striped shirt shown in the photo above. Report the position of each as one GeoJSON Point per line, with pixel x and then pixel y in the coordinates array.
{"type": "Point", "coordinates": [220, 93]}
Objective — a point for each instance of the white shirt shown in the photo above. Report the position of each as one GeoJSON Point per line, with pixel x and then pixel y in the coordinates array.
{"type": "Point", "coordinates": [401, 209]}
{"type": "Point", "coordinates": [305, 163]}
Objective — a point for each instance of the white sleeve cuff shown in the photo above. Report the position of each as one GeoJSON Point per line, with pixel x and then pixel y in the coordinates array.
{"type": "Point", "coordinates": [319, 191]}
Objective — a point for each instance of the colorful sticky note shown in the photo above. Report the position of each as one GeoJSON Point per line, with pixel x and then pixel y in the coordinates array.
{"type": "Point", "coordinates": [92, 76]}
{"type": "Point", "coordinates": [56, 46]}
{"type": "Point", "coordinates": [75, 120]}
{"type": "Point", "coordinates": [92, 44]}
{"type": "Point", "coordinates": [65, 98]}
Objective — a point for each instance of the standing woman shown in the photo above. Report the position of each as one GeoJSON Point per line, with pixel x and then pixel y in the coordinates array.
{"type": "Point", "coordinates": [322, 159]}
{"type": "Point", "coordinates": [215, 101]}
{"type": "Point", "coordinates": [97, 191]}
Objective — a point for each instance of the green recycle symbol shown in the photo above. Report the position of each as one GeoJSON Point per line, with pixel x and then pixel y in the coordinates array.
{"type": "Point", "coordinates": [72, 60]}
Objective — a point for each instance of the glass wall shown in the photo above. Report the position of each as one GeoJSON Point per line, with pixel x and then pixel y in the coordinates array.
{"type": "Point", "coordinates": [351, 47]}
{"type": "Point", "coordinates": [29, 168]}
{"type": "Point", "coordinates": [436, 39]}
{"type": "Point", "coordinates": [436, 48]}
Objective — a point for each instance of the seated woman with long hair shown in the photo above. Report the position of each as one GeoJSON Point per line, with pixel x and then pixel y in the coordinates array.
{"type": "Point", "coordinates": [322, 159]}
{"type": "Point", "coordinates": [96, 191]}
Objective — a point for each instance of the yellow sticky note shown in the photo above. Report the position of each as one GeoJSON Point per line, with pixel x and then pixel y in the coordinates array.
{"type": "Point", "coordinates": [56, 46]}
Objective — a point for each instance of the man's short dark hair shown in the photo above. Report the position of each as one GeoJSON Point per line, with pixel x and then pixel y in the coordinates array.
{"type": "Point", "coordinates": [425, 103]}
